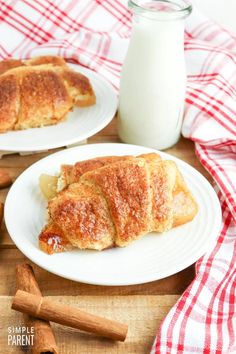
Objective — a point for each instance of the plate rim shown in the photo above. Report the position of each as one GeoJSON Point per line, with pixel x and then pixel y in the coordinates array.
{"type": "Point", "coordinates": [215, 228]}
{"type": "Point", "coordinates": [102, 125]}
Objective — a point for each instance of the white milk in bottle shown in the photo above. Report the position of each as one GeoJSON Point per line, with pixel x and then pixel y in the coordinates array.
{"type": "Point", "coordinates": [153, 78]}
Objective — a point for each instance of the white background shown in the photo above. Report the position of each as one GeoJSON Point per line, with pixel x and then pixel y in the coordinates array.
{"type": "Point", "coordinates": [222, 11]}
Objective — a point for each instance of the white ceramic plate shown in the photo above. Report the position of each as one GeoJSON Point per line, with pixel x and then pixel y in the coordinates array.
{"type": "Point", "coordinates": [79, 125]}
{"type": "Point", "coordinates": [153, 257]}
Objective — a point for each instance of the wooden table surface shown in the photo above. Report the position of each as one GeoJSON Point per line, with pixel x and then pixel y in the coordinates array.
{"type": "Point", "coordinates": [142, 307]}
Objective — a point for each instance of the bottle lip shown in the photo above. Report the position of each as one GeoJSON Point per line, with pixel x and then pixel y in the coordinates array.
{"type": "Point", "coordinates": [166, 9]}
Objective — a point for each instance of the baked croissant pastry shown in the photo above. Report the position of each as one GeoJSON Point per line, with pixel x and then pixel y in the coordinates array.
{"type": "Point", "coordinates": [9, 64]}
{"type": "Point", "coordinates": [40, 92]}
{"type": "Point", "coordinates": [112, 201]}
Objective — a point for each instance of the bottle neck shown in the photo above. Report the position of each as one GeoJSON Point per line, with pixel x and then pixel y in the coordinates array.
{"type": "Point", "coordinates": [165, 31]}
{"type": "Point", "coordinates": [161, 10]}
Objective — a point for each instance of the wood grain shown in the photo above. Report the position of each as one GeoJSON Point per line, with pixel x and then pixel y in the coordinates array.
{"type": "Point", "coordinates": [51, 284]}
{"type": "Point", "coordinates": [143, 314]}
{"type": "Point", "coordinates": [70, 316]}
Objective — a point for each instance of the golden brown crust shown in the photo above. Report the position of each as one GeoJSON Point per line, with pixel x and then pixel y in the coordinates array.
{"type": "Point", "coordinates": [72, 173]}
{"type": "Point", "coordinates": [9, 102]}
{"type": "Point", "coordinates": [41, 91]}
{"type": "Point", "coordinates": [9, 64]}
{"type": "Point", "coordinates": [125, 186]}
{"type": "Point", "coordinates": [162, 184]}
{"type": "Point", "coordinates": [114, 200]}
{"type": "Point", "coordinates": [48, 59]}
{"type": "Point", "coordinates": [151, 157]}
{"type": "Point", "coordinates": [35, 109]}
{"type": "Point", "coordinates": [83, 215]}
{"type": "Point", "coordinates": [38, 95]}
{"type": "Point", "coordinates": [79, 88]}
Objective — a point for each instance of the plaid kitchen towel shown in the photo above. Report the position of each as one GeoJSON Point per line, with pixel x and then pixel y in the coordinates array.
{"type": "Point", "coordinates": [95, 34]}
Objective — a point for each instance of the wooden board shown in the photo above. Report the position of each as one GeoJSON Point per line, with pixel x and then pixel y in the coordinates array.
{"type": "Point", "coordinates": [143, 314]}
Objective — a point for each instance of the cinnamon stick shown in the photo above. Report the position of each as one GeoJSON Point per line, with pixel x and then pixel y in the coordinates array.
{"type": "Point", "coordinates": [49, 310]}
{"type": "Point", "coordinates": [44, 340]}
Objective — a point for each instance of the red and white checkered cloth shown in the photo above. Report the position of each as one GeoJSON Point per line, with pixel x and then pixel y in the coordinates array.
{"type": "Point", "coordinates": [95, 33]}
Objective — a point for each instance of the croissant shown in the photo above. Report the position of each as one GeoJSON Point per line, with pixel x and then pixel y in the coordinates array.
{"type": "Point", "coordinates": [112, 201]}
{"type": "Point", "coordinates": [40, 92]}
{"type": "Point", "coordinates": [9, 64]}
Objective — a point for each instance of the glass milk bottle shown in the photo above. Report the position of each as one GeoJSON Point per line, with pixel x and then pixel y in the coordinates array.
{"type": "Point", "coordinates": [153, 78]}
